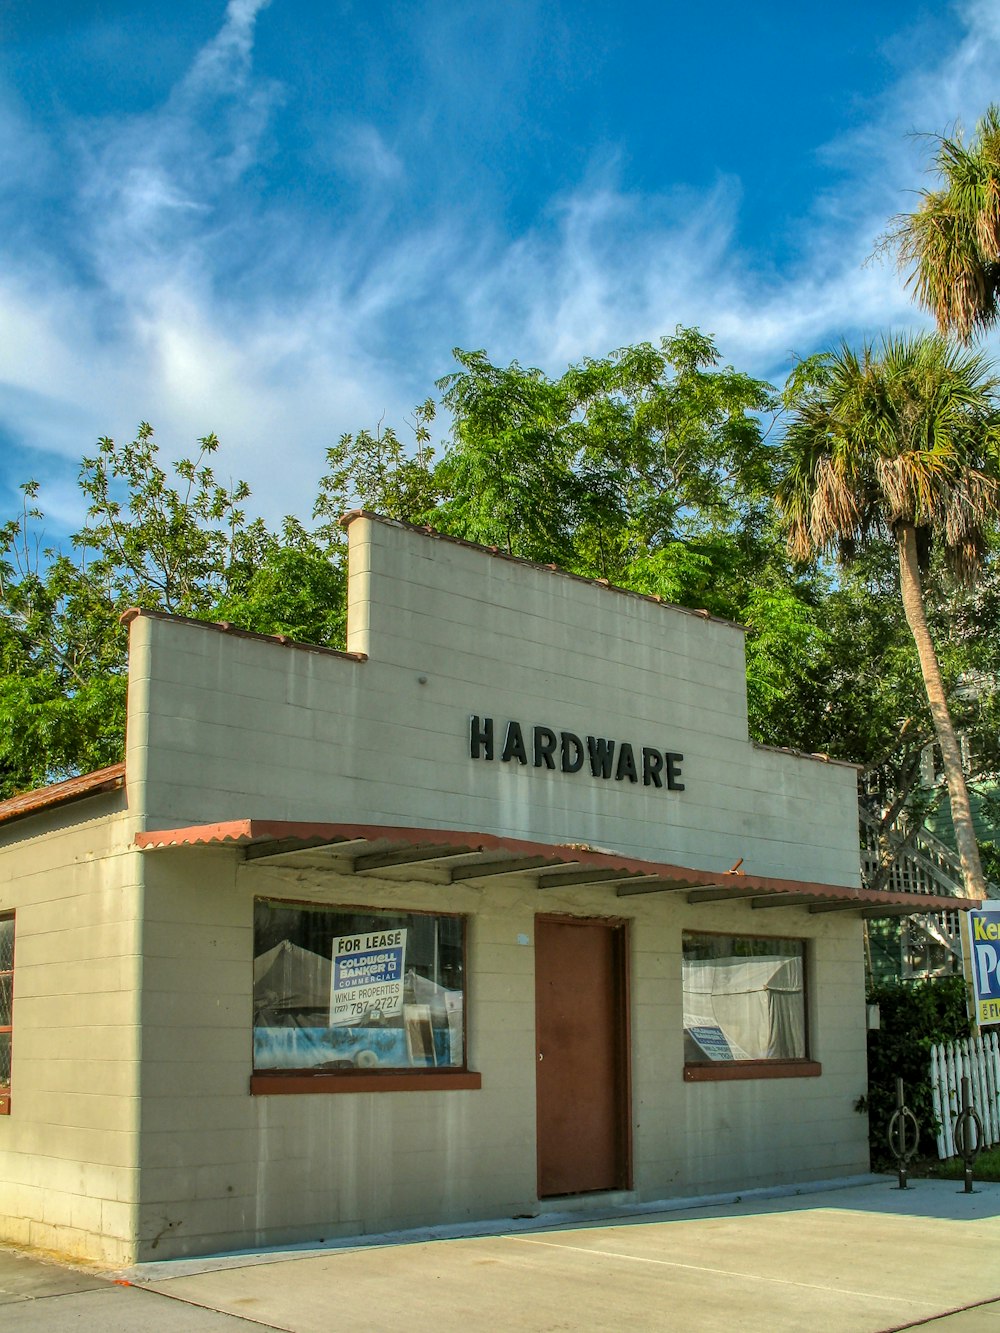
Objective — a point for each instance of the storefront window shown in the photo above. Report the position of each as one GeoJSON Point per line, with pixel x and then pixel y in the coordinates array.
{"type": "Point", "coordinates": [338, 990]}
{"type": "Point", "coordinates": [744, 999]}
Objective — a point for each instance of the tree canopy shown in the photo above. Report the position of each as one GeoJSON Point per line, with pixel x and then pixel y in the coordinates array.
{"type": "Point", "coordinates": [900, 443]}
{"type": "Point", "coordinates": [653, 467]}
{"type": "Point", "coordinates": [176, 541]}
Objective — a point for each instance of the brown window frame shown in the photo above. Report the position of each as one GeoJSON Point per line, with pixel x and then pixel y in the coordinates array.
{"type": "Point", "coordinates": [5, 1089]}
{"type": "Point", "coordinates": [727, 1071]}
{"type": "Point", "coordinates": [283, 1082]}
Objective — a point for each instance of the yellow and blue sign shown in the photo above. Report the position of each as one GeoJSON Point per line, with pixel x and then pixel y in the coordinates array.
{"type": "Point", "coordinates": [983, 959]}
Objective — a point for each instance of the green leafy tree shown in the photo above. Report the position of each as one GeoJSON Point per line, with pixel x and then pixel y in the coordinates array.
{"type": "Point", "coordinates": [615, 469]}
{"type": "Point", "coordinates": [374, 470]}
{"type": "Point", "coordinates": [169, 538]}
{"type": "Point", "coordinates": [179, 542]}
{"type": "Point", "coordinates": [903, 447]}
{"type": "Point", "coordinates": [62, 694]}
{"type": "Point", "coordinates": [651, 468]}
{"type": "Point", "coordinates": [176, 547]}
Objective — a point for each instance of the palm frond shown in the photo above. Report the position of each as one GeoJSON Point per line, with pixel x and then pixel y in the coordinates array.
{"type": "Point", "coordinates": [949, 247]}
{"type": "Point", "coordinates": [907, 433]}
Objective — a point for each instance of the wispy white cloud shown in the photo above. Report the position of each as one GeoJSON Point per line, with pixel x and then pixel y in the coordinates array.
{"type": "Point", "coordinates": [620, 268]}
{"type": "Point", "coordinates": [189, 297]}
{"type": "Point", "coordinates": [363, 154]}
{"type": "Point", "coordinates": [226, 59]}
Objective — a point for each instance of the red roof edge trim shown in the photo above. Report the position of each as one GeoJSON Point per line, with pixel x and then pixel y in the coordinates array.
{"type": "Point", "coordinates": [495, 551]}
{"type": "Point", "coordinates": [59, 793]}
{"type": "Point", "coordinates": [235, 832]}
{"type": "Point", "coordinates": [225, 627]}
{"type": "Point", "coordinates": [243, 832]}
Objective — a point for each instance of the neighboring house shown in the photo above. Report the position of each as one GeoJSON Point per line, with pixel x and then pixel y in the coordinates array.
{"type": "Point", "coordinates": [913, 857]}
{"type": "Point", "coordinates": [497, 910]}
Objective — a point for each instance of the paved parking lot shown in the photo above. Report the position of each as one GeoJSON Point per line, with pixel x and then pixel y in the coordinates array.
{"type": "Point", "coordinates": [857, 1258]}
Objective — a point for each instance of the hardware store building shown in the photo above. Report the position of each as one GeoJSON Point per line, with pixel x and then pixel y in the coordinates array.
{"type": "Point", "coordinates": [497, 907]}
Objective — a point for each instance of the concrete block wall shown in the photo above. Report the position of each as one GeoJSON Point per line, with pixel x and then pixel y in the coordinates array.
{"type": "Point", "coordinates": [69, 1149]}
{"type": "Point", "coordinates": [225, 727]}
{"type": "Point", "coordinates": [134, 1134]}
{"type": "Point", "coordinates": [717, 1136]}
{"type": "Point", "coordinates": [221, 1168]}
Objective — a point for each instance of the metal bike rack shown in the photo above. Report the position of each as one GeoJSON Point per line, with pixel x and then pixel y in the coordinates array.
{"type": "Point", "coordinates": [902, 1125]}
{"type": "Point", "coordinates": [968, 1120]}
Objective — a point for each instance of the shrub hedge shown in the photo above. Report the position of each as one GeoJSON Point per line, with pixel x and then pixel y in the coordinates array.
{"type": "Point", "coordinates": [914, 1016]}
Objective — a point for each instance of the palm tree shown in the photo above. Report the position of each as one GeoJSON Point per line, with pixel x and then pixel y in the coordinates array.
{"type": "Point", "coordinates": [903, 445]}
{"type": "Point", "coordinates": [950, 245]}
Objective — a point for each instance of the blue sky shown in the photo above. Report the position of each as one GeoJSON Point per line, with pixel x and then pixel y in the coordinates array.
{"type": "Point", "coordinates": [275, 220]}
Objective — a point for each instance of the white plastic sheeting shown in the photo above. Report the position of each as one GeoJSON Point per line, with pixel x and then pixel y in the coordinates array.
{"type": "Point", "coordinates": [756, 1002]}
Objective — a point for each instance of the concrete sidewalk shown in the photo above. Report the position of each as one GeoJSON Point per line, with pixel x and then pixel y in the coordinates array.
{"type": "Point", "coordinates": [856, 1258]}
{"type": "Point", "coordinates": [40, 1296]}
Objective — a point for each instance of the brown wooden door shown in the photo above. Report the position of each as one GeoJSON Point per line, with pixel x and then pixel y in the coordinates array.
{"type": "Point", "coordinates": [582, 1055]}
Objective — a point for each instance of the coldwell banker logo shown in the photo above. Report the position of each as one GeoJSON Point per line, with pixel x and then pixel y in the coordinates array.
{"type": "Point", "coordinates": [543, 747]}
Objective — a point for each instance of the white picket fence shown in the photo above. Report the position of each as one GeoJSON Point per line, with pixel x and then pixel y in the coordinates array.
{"type": "Point", "coordinates": [979, 1061]}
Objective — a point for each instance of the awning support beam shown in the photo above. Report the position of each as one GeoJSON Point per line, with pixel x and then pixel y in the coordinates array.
{"type": "Point", "coordinates": [651, 884]}
{"type": "Point", "coordinates": [579, 878]}
{"type": "Point", "coordinates": [717, 893]}
{"type": "Point", "coordinates": [406, 856]}
{"type": "Point", "coordinates": [488, 868]}
{"type": "Point", "coordinates": [761, 904]}
{"type": "Point", "coordinates": [263, 851]}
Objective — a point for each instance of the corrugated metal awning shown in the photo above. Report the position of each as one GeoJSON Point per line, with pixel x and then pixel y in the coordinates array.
{"type": "Point", "coordinates": [61, 793]}
{"type": "Point", "coordinates": [443, 856]}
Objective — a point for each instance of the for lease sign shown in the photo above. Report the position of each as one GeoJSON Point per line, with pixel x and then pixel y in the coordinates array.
{"type": "Point", "coordinates": [983, 958]}
{"type": "Point", "coordinates": [367, 976]}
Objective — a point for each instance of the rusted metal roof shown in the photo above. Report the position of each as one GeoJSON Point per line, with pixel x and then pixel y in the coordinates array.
{"type": "Point", "coordinates": [59, 793]}
{"type": "Point", "coordinates": [444, 856]}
